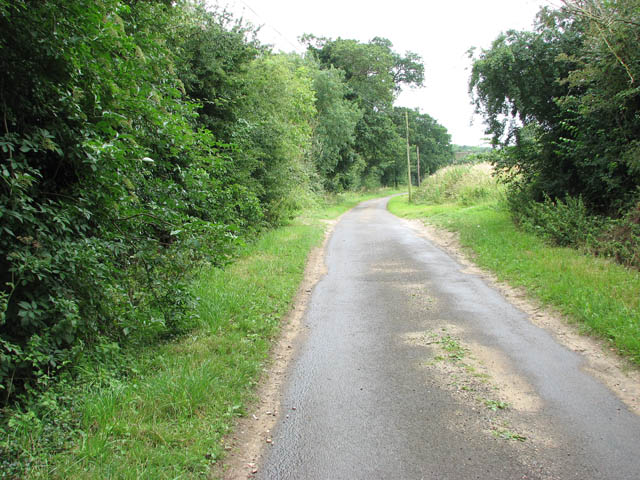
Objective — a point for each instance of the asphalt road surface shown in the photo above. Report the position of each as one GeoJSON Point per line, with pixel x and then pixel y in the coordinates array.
{"type": "Point", "coordinates": [391, 381]}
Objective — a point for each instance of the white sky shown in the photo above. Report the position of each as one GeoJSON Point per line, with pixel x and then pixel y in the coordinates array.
{"type": "Point", "coordinates": [439, 31]}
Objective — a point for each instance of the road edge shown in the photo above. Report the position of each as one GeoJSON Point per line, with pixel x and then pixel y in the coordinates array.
{"type": "Point", "coordinates": [601, 361]}
{"type": "Point", "coordinates": [246, 446]}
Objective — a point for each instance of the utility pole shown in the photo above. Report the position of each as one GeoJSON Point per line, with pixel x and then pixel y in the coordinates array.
{"type": "Point", "coordinates": [406, 118]}
{"type": "Point", "coordinates": [418, 155]}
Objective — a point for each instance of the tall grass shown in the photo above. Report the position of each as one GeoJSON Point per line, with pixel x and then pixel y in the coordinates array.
{"type": "Point", "coordinates": [595, 293]}
{"type": "Point", "coordinates": [465, 184]}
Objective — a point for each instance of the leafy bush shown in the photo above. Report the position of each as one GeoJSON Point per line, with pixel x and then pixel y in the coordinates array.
{"type": "Point", "coordinates": [563, 222]}
{"type": "Point", "coordinates": [110, 196]}
{"type": "Point", "coordinates": [569, 223]}
{"type": "Point", "coordinates": [620, 239]}
{"type": "Point", "coordinates": [275, 133]}
{"type": "Point", "coordinates": [563, 102]}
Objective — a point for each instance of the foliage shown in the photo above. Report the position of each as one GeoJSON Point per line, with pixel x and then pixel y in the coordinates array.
{"type": "Point", "coordinates": [567, 222]}
{"type": "Point", "coordinates": [374, 74]}
{"type": "Point", "coordinates": [274, 133]}
{"type": "Point", "coordinates": [563, 104]}
{"type": "Point", "coordinates": [334, 133]}
{"type": "Point", "coordinates": [566, 97]}
{"type": "Point", "coordinates": [213, 53]}
{"type": "Point", "coordinates": [563, 222]}
{"type": "Point", "coordinates": [620, 239]}
{"type": "Point", "coordinates": [110, 194]}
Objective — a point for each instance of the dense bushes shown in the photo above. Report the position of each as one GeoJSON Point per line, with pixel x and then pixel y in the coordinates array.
{"type": "Point", "coordinates": [562, 104]}
{"type": "Point", "coordinates": [620, 239]}
{"type": "Point", "coordinates": [110, 193]}
{"type": "Point", "coordinates": [274, 132]}
{"type": "Point", "coordinates": [562, 101]}
{"type": "Point", "coordinates": [564, 222]}
{"type": "Point", "coordinates": [567, 222]}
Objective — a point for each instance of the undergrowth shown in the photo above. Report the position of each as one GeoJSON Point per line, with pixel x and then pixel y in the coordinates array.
{"type": "Point", "coordinates": [567, 222]}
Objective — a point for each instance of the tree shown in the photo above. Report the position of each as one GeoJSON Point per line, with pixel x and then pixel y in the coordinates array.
{"type": "Point", "coordinates": [334, 129]}
{"type": "Point", "coordinates": [213, 52]}
{"type": "Point", "coordinates": [564, 100]}
{"type": "Point", "coordinates": [274, 131]}
{"type": "Point", "coordinates": [374, 74]}
{"type": "Point", "coordinates": [607, 73]}
{"type": "Point", "coordinates": [373, 70]}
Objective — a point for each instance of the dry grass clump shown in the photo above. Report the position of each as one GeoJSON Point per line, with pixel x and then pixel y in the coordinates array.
{"type": "Point", "coordinates": [464, 184]}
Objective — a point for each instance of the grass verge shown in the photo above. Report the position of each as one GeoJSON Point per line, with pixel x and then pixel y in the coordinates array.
{"type": "Point", "coordinates": [599, 295]}
{"type": "Point", "coordinates": [168, 417]}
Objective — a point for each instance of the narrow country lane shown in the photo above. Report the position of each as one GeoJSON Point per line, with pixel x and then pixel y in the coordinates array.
{"type": "Point", "coordinates": [414, 368]}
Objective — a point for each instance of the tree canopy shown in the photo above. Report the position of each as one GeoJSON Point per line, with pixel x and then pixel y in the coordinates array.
{"type": "Point", "coordinates": [374, 74]}
{"type": "Point", "coordinates": [563, 102]}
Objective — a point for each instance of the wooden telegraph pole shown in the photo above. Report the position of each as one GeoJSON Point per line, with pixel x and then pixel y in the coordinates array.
{"type": "Point", "coordinates": [418, 155]}
{"type": "Point", "coordinates": [406, 118]}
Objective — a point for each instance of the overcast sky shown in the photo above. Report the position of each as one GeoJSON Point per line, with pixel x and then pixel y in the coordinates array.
{"type": "Point", "coordinates": [439, 31]}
